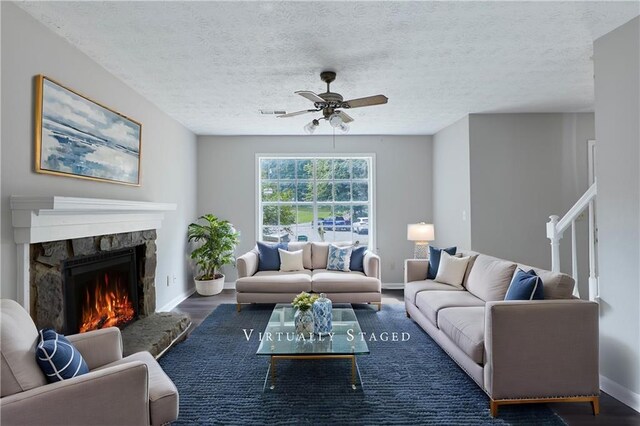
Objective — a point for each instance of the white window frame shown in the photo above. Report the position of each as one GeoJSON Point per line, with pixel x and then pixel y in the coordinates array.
{"type": "Point", "coordinates": [372, 187]}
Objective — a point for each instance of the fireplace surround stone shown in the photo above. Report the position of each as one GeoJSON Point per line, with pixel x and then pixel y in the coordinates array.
{"type": "Point", "coordinates": [46, 261]}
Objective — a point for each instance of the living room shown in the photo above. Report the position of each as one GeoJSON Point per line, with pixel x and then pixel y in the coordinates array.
{"type": "Point", "coordinates": [493, 113]}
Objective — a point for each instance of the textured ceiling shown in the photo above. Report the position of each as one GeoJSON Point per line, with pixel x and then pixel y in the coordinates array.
{"type": "Point", "coordinates": [213, 65]}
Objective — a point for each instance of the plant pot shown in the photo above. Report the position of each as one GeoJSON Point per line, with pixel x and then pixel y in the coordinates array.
{"type": "Point", "coordinates": [209, 287]}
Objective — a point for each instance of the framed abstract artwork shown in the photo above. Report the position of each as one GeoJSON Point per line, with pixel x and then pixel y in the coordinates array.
{"type": "Point", "coordinates": [78, 137]}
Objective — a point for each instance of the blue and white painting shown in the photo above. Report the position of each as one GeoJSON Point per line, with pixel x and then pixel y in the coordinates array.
{"type": "Point", "coordinates": [82, 138]}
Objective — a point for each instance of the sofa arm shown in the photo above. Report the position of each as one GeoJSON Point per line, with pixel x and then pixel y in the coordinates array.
{"type": "Point", "coordinates": [415, 270]}
{"type": "Point", "coordinates": [247, 264]}
{"type": "Point", "coordinates": [371, 265]}
{"type": "Point", "coordinates": [541, 349]}
{"type": "Point", "coordinates": [98, 347]}
{"type": "Point", "coordinates": [114, 396]}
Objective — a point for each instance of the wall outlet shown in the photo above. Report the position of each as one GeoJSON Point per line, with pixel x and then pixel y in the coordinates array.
{"type": "Point", "coordinates": [464, 215]}
{"type": "Point", "coordinates": [175, 279]}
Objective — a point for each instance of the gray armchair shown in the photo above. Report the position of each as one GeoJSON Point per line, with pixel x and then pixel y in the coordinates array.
{"type": "Point", "coordinates": [116, 391]}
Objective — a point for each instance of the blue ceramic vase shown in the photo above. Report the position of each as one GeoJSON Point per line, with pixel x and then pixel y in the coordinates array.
{"type": "Point", "coordinates": [322, 315]}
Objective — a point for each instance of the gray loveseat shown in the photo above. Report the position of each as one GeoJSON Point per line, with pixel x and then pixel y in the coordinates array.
{"type": "Point", "coordinates": [516, 351]}
{"type": "Point", "coordinates": [255, 286]}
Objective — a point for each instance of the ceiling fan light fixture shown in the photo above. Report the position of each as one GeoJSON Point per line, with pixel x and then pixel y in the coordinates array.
{"type": "Point", "coordinates": [311, 126]}
{"type": "Point", "coordinates": [344, 127]}
{"type": "Point", "coordinates": [335, 120]}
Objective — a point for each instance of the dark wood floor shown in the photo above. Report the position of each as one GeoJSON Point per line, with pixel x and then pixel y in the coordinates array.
{"type": "Point", "coordinates": [612, 411]}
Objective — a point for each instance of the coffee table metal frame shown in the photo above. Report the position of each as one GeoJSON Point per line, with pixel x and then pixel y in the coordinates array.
{"type": "Point", "coordinates": [282, 320]}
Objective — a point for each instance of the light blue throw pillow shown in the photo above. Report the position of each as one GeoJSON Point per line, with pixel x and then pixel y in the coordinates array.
{"type": "Point", "coordinates": [339, 258]}
{"type": "Point", "coordinates": [58, 358]}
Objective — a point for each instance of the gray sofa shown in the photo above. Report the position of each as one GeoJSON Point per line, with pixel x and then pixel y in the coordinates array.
{"type": "Point", "coordinates": [516, 351]}
{"type": "Point", "coordinates": [255, 286]}
{"type": "Point", "coordinates": [116, 391]}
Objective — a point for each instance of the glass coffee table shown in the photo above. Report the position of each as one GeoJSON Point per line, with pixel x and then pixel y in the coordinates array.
{"type": "Point", "coordinates": [280, 341]}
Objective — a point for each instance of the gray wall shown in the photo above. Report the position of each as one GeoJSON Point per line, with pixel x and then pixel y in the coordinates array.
{"type": "Point", "coordinates": [517, 171]}
{"type": "Point", "coordinates": [617, 94]}
{"type": "Point", "coordinates": [452, 186]}
{"type": "Point", "coordinates": [227, 184]}
{"type": "Point", "coordinates": [168, 149]}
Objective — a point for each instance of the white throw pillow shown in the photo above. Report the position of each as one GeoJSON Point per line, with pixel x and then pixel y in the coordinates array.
{"type": "Point", "coordinates": [290, 260]}
{"type": "Point", "coordinates": [451, 269]}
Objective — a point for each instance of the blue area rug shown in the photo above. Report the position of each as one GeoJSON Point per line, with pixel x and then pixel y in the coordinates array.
{"type": "Point", "coordinates": [220, 379]}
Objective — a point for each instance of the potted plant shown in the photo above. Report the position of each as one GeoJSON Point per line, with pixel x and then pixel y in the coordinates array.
{"type": "Point", "coordinates": [217, 240]}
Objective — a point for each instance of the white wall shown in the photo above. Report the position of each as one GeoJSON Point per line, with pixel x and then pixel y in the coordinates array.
{"type": "Point", "coordinates": [617, 94]}
{"type": "Point", "coordinates": [227, 184]}
{"type": "Point", "coordinates": [452, 186]}
{"type": "Point", "coordinates": [168, 149]}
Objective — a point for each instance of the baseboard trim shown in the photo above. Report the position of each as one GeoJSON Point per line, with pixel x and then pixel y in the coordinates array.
{"type": "Point", "coordinates": [393, 286]}
{"type": "Point", "coordinates": [177, 300]}
{"type": "Point", "coordinates": [619, 392]}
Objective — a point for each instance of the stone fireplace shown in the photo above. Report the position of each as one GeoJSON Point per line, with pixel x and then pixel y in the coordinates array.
{"type": "Point", "coordinates": [123, 263]}
{"type": "Point", "coordinates": [60, 239]}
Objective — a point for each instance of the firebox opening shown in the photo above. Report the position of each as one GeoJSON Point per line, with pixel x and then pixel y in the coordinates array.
{"type": "Point", "coordinates": [100, 291]}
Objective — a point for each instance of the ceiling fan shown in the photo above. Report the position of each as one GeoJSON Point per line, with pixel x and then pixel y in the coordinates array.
{"type": "Point", "coordinates": [331, 104]}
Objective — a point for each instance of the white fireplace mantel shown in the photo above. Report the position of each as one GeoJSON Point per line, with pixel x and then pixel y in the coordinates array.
{"type": "Point", "coordinates": [54, 218]}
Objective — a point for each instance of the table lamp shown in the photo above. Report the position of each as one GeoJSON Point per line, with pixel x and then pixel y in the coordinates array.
{"type": "Point", "coordinates": [421, 233]}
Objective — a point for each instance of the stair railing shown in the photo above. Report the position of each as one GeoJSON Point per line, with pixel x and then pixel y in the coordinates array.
{"type": "Point", "coordinates": [555, 231]}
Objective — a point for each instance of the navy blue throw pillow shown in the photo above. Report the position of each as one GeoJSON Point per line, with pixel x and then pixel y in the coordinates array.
{"type": "Point", "coordinates": [58, 358]}
{"type": "Point", "coordinates": [357, 259]}
{"type": "Point", "coordinates": [434, 260]}
{"type": "Point", "coordinates": [525, 286]}
{"type": "Point", "coordinates": [269, 257]}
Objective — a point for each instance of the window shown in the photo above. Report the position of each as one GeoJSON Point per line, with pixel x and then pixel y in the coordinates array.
{"type": "Point", "coordinates": [315, 199]}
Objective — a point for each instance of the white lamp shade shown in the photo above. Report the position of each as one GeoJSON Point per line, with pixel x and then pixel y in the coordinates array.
{"type": "Point", "coordinates": [420, 232]}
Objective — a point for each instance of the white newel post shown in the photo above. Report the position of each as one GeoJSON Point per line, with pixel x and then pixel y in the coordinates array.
{"type": "Point", "coordinates": [553, 235]}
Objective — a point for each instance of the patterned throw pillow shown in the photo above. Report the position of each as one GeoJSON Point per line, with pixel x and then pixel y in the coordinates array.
{"type": "Point", "coordinates": [58, 358]}
{"type": "Point", "coordinates": [339, 258]}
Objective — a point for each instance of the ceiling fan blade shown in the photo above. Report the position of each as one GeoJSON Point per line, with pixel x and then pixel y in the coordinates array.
{"type": "Point", "coordinates": [309, 95]}
{"type": "Point", "coordinates": [293, 114]}
{"type": "Point", "coordinates": [368, 101]}
{"type": "Point", "coordinates": [345, 117]}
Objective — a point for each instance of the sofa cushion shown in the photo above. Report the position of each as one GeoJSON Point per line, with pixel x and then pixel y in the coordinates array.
{"type": "Point", "coordinates": [431, 302]}
{"type": "Point", "coordinates": [556, 284]}
{"type": "Point", "coordinates": [58, 358]}
{"type": "Point", "coordinates": [343, 282]}
{"type": "Point", "coordinates": [490, 277]}
{"type": "Point", "coordinates": [411, 289]}
{"type": "Point", "coordinates": [465, 328]}
{"type": "Point", "coordinates": [306, 252]}
{"type": "Point", "coordinates": [434, 259]}
{"type": "Point", "coordinates": [163, 394]}
{"type": "Point", "coordinates": [268, 256]}
{"type": "Point", "coordinates": [275, 282]}
{"type": "Point", "coordinates": [18, 340]}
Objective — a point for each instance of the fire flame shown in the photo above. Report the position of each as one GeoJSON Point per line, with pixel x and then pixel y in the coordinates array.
{"type": "Point", "coordinates": [109, 306]}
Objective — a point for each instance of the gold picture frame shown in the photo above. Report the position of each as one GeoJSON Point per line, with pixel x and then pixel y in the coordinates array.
{"type": "Point", "coordinates": [78, 137]}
